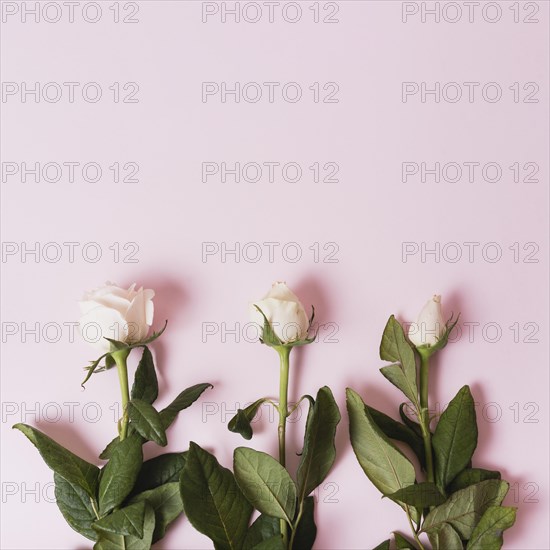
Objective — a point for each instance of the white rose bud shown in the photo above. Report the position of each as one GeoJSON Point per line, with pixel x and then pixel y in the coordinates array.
{"type": "Point", "coordinates": [285, 313]}
{"type": "Point", "coordinates": [430, 326]}
{"type": "Point", "coordinates": [116, 313]}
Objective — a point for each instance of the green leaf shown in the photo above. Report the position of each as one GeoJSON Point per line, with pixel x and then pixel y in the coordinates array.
{"type": "Point", "coordinates": [213, 501]}
{"type": "Point", "coordinates": [421, 495]}
{"type": "Point", "coordinates": [241, 422]}
{"type": "Point", "coordinates": [383, 545]}
{"type": "Point", "coordinates": [111, 541]}
{"type": "Point", "coordinates": [319, 450]}
{"type": "Point", "coordinates": [455, 438]}
{"type": "Point", "coordinates": [145, 385]}
{"type": "Point", "coordinates": [265, 483]}
{"type": "Point", "coordinates": [394, 347]}
{"type": "Point", "coordinates": [263, 529]}
{"type": "Point", "coordinates": [306, 531]}
{"type": "Point", "coordinates": [464, 508]}
{"type": "Point", "coordinates": [470, 476]}
{"type": "Point", "coordinates": [385, 465]}
{"type": "Point", "coordinates": [68, 465]}
{"type": "Point", "coordinates": [76, 506]}
{"type": "Point", "coordinates": [108, 451]}
{"type": "Point", "coordinates": [403, 543]}
{"type": "Point", "coordinates": [400, 432]}
{"type": "Point", "coordinates": [120, 473]}
{"type": "Point", "coordinates": [166, 503]}
{"type": "Point", "coordinates": [396, 375]}
{"type": "Point", "coordinates": [487, 534]}
{"type": "Point", "coordinates": [185, 399]}
{"type": "Point", "coordinates": [125, 521]}
{"type": "Point", "coordinates": [157, 471]}
{"type": "Point", "coordinates": [445, 538]}
{"type": "Point", "coordinates": [147, 422]}
{"type": "Point", "coordinates": [274, 543]}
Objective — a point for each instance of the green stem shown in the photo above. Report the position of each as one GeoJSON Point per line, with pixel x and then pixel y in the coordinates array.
{"type": "Point", "coordinates": [295, 526]}
{"type": "Point", "coordinates": [415, 534]}
{"type": "Point", "coordinates": [284, 353]}
{"type": "Point", "coordinates": [94, 507]}
{"type": "Point", "coordinates": [425, 413]}
{"type": "Point", "coordinates": [120, 358]}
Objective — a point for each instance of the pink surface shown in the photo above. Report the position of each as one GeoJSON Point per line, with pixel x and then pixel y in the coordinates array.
{"type": "Point", "coordinates": [356, 276]}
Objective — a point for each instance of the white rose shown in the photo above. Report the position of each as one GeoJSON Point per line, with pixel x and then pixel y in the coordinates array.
{"type": "Point", "coordinates": [285, 313]}
{"type": "Point", "coordinates": [430, 326]}
{"type": "Point", "coordinates": [116, 313]}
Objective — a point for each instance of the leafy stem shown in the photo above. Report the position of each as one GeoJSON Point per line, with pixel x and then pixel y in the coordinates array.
{"type": "Point", "coordinates": [414, 531]}
{"type": "Point", "coordinates": [120, 357]}
{"type": "Point", "coordinates": [295, 526]}
{"type": "Point", "coordinates": [94, 507]}
{"type": "Point", "coordinates": [284, 353]}
{"type": "Point", "coordinates": [424, 413]}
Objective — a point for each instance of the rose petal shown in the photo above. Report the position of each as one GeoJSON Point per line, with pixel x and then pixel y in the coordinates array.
{"type": "Point", "coordinates": [138, 314]}
{"type": "Point", "coordinates": [101, 322]}
{"type": "Point", "coordinates": [280, 291]}
{"type": "Point", "coordinates": [429, 326]}
{"type": "Point", "coordinates": [287, 319]}
{"type": "Point", "coordinates": [114, 301]}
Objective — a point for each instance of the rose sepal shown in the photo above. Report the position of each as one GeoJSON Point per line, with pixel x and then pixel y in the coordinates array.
{"type": "Point", "coordinates": [269, 338]}
{"type": "Point", "coordinates": [117, 346]}
{"type": "Point", "coordinates": [428, 350]}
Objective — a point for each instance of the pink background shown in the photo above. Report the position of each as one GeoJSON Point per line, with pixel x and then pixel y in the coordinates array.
{"type": "Point", "coordinates": [369, 212]}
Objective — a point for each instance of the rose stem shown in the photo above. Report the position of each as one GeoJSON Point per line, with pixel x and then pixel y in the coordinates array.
{"type": "Point", "coordinates": [425, 414]}
{"type": "Point", "coordinates": [284, 353]}
{"type": "Point", "coordinates": [120, 358]}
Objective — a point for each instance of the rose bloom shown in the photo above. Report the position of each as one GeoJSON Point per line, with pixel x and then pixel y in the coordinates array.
{"type": "Point", "coordinates": [117, 313]}
{"type": "Point", "coordinates": [285, 313]}
{"type": "Point", "coordinates": [429, 326]}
